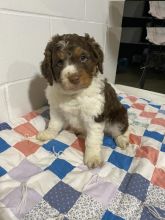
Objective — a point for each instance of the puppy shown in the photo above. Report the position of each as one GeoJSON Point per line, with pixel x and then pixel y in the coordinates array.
{"type": "Point", "coordinates": [79, 97]}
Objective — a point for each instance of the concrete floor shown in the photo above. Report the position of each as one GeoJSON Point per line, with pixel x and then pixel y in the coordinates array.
{"type": "Point", "coordinates": [155, 81]}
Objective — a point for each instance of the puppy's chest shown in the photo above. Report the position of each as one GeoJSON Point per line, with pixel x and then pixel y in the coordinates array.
{"type": "Point", "coordinates": [70, 107]}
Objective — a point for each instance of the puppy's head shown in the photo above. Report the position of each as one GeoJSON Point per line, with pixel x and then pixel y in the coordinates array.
{"type": "Point", "coordinates": [72, 61]}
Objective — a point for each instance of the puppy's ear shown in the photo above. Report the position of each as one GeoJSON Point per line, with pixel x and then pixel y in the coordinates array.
{"type": "Point", "coordinates": [46, 65]}
{"type": "Point", "coordinates": [97, 51]}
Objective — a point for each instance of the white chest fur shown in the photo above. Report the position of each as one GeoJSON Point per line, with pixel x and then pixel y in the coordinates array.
{"type": "Point", "coordinates": [80, 108]}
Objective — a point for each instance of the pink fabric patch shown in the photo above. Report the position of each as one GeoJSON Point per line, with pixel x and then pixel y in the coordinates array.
{"type": "Point", "coordinates": [30, 116]}
{"type": "Point", "coordinates": [26, 129]}
{"type": "Point", "coordinates": [132, 98]}
{"type": "Point", "coordinates": [148, 114]}
{"type": "Point", "coordinates": [134, 139]}
{"type": "Point", "coordinates": [158, 177]}
{"type": "Point", "coordinates": [149, 153]}
{"type": "Point", "coordinates": [158, 121]}
{"type": "Point", "coordinates": [139, 106]}
{"type": "Point", "coordinates": [26, 147]}
{"type": "Point", "coordinates": [79, 144]}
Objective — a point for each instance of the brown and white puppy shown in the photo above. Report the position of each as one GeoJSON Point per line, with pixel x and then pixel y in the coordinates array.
{"type": "Point", "coordinates": [79, 97]}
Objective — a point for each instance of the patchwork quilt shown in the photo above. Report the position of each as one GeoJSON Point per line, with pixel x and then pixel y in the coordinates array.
{"type": "Point", "coordinates": [48, 180]}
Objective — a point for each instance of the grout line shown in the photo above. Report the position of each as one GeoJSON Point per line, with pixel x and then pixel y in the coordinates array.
{"type": "Point", "coordinates": [50, 27]}
{"type": "Point", "coordinates": [30, 14]}
{"type": "Point", "coordinates": [7, 102]}
{"type": "Point", "coordinates": [85, 6]}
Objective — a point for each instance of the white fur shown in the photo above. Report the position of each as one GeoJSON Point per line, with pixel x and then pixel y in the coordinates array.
{"type": "Point", "coordinates": [78, 110]}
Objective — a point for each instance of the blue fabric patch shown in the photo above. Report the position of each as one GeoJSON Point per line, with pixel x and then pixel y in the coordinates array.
{"type": "Point", "coordinates": [62, 197]}
{"type": "Point", "coordinates": [135, 185]}
{"type": "Point", "coordinates": [60, 167]}
{"type": "Point", "coordinates": [162, 111]}
{"type": "Point", "coordinates": [155, 106]}
{"type": "Point", "coordinates": [56, 145]}
{"type": "Point", "coordinates": [110, 216]}
{"type": "Point", "coordinates": [108, 141]}
{"type": "Point", "coordinates": [119, 98]}
{"type": "Point", "coordinates": [3, 145]}
{"type": "Point", "coordinates": [46, 114]}
{"type": "Point", "coordinates": [147, 215]}
{"type": "Point", "coordinates": [163, 148]}
{"type": "Point", "coordinates": [4, 126]}
{"type": "Point", "coordinates": [2, 171]}
{"type": "Point", "coordinates": [155, 135]}
{"type": "Point", "coordinates": [120, 160]}
{"type": "Point", "coordinates": [126, 106]}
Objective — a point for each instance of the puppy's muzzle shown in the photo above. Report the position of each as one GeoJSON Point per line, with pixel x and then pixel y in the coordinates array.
{"type": "Point", "coordinates": [74, 79]}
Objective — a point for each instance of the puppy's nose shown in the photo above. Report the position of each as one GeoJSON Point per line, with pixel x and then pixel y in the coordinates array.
{"type": "Point", "coordinates": [74, 79]}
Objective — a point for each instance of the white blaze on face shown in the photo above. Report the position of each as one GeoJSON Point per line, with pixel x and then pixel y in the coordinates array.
{"type": "Point", "coordinates": [67, 71]}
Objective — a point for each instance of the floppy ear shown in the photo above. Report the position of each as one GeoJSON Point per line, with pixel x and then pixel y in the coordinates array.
{"type": "Point", "coordinates": [46, 65]}
{"type": "Point", "coordinates": [98, 53]}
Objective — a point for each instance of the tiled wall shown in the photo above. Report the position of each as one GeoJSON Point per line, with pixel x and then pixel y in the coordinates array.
{"type": "Point", "coordinates": [26, 27]}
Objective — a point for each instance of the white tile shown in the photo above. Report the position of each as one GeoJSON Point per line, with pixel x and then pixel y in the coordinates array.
{"type": "Point", "coordinates": [64, 26]}
{"type": "Point", "coordinates": [65, 8]}
{"type": "Point", "coordinates": [24, 38]}
{"type": "Point", "coordinates": [97, 10]}
{"type": "Point", "coordinates": [25, 95]}
{"type": "Point", "coordinates": [111, 53]}
{"type": "Point", "coordinates": [3, 105]}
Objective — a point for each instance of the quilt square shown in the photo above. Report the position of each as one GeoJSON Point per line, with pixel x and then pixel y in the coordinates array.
{"type": "Point", "coordinates": [24, 171]}
{"type": "Point", "coordinates": [26, 129]}
{"type": "Point", "coordinates": [41, 211]}
{"type": "Point", "coordinates": [108, 141]}
{"type": "Point", "coordinates": [158, 177]}
{"type": "Point", "coordinates": [139, 106]}
{"type": "Point", "coordinates": [30, 115]}
{"type": "Point", "coordinates": [111, 173]}
{"type": "Point", "coordinates": [132, 98]}
{"type": "Point", "coordinates": [162, 111]}
{"type": "Point", "coordinates": [62, 197]}
{"type": "Point", "coordinates": [3, 145]}
{"type": "Point", "coordinates": [148, 114]}
{"type": "Point", "coordinates": [38, 183]}
{"type": "Point", "coordinates": [156, 196]}
{"type": "Point", "coordinates": [155, 106]}
{"type": "Point", "coordinates": [55, 145]}
{"type": "Point", "coordinates": [135, 139]}
{"type": "Point", "coordinates": [161, 160]}
{"type": "Point", "coordinates": [26, 147]}
{"type": "Point", "coordinates": [154, 135]}
{"type": "Point", "coordinates": [135, 185]}
{"type": "Point", "coordinates": [146, 214]}
{"type": "Point", "coordinates": [109, 215]}
{"type": "Point", "coordinates": [13, 201]}
{"type": "Point", "coordinates": [10, 158]}
{"type": "Point", "coordinates": [163, 148]}
{"type": "Point", "coordinates": [79, 144]}
{"type": "Point", "coordinates": [4, 126]}
{"type": "Point", "coordinates": [126, 206]}
{"type": "Point", "coordinates": [101, 190]}
{"type": "Point", "coordinates": [149, 153]}
{"type": "Point", "coordinates": [158, 121]}
{"type": "Point", "coordinates": [120, 160]}
{"type": "Point", "coordinates": [60, 167]}
{"type": "Point", "coordinates": [143, 167]}
{"type": "Point", "coordinates": [2, 171]}
{"type": "Point", "coordinates": [84, 177]}
{"type": "Point", "coordinates": [86, 208]}
{"type": "Point", "coordinates": [66, 137]}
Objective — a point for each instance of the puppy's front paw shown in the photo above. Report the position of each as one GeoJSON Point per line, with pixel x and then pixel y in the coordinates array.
{"type": "Point", "coordinates": [93, 160]}
{"type": "Point", "coordinates": [46, 135]}
{"type": "Point", "coordinates": [122, 141]}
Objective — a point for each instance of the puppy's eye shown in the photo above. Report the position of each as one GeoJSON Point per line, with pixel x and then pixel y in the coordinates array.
{"type": "Point", "coordinates": [83, 58]}
{"type": "Point", "coordinates": [59, 63]}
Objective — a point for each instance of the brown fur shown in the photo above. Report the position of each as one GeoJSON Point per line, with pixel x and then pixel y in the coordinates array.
{"type": "Point", "coordinates": [114, 111]}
